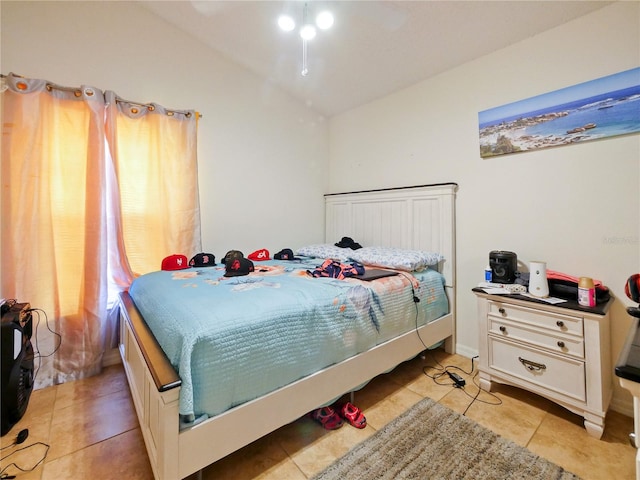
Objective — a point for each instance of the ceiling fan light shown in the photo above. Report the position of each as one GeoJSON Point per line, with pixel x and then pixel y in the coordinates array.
{"type": "Point", "coordinates": [286, 23]}
{"type": "Point", "coordinates": [324, 20]}
{"type": "Point", "coordinates": [308, 32]}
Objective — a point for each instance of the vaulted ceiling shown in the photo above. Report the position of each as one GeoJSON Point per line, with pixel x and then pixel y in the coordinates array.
{"type": "Point", "coordinates": [374, 47]}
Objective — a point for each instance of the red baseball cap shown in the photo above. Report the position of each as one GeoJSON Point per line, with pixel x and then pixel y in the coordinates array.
{"type": "Point", "coordinates": [259, 255]}
{"type": "Point", "coordinates": [175, 262]}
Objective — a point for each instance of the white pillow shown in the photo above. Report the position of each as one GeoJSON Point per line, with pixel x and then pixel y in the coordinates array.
{"type": "Point", "coordinates": [325, 250]}
{"type": "Point", "coordinates": [396, 258]}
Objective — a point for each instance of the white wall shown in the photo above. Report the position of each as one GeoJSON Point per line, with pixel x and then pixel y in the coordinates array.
{"type": "Point", "coordinates": [262, 155]}
{"type": "Point", "coordinates": [576, 207]}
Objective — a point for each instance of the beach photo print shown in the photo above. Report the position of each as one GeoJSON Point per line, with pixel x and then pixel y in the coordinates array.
{"type": "Point", "coordinates": [605, 107]}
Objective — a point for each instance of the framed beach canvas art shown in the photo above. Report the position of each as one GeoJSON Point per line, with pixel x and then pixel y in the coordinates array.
{"type": "Point", "coordinates": [605, 107]}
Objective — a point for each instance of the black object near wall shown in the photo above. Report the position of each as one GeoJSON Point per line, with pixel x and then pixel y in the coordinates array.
{"type": "Point", "coordinates": [17, 362]}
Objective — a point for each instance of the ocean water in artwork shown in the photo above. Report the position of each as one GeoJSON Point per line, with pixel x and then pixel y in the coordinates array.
{"type": "Point", "coordinates": [609, 114]}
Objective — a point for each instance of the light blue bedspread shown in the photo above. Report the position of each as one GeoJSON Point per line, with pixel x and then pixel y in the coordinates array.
{"type": "Point", "coordinates": [234, 339]}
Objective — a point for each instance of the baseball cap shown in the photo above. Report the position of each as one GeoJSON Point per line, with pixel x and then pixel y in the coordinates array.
{"type": "Point", "coordinates": [203, 260]}
{"type": "Point", "coordinates": [175, 262]}
{"type": "Point", "coordinates": [232, 254]}
{"type": "Point", "coordinates": [259, 255]}
{"type": "Point", "coordinates": [285, 254]}
{"type": "Point", "coordinates": [238, 266]}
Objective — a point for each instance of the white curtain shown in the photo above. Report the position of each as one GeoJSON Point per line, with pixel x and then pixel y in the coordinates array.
{"type": "Point", "coordinates": [65, 213]}
{"type": "Point", "coordinates": [54, 253]}
{"type": "Point", "coordinates": [155, 157]}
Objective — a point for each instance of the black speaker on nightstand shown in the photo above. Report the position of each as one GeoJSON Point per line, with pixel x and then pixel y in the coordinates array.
{"type": "Point", "coordinates": [503, 266]}
{"type": "Point", "coordinates": [17, 362]}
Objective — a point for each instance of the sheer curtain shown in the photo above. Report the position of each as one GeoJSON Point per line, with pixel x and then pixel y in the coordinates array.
{"type": "Point", "coordinates": [155, 158]}
{"type": "Point", "coordinates": [53, 219]}
{"type": "Point", "coordinates": [66, 210]}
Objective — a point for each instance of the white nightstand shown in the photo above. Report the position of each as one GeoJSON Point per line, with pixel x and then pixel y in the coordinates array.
{"type": "Point", "coordinates": [560, 352]}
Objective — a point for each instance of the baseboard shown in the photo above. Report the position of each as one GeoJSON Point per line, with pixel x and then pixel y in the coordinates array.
{"type": "Point", "coordinates": [111, 357]}
{"type": "Point", "coordinates": [465, 351]}
{"type": "Point", "coordinates": [622, 405]}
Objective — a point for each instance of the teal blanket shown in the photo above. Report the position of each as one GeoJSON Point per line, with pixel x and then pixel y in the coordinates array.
{"type": "Point", "coordinates": [235, 339]}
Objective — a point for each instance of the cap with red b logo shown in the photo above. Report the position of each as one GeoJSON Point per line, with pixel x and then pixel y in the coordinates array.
{"type": "Point", "coordinates": [203, 260]}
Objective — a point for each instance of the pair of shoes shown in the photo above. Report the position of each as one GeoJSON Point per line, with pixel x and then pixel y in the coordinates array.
{"type": "Point", "coordinates": [352, 414]}
{"type": "Point", "coordinates": [327, 417]}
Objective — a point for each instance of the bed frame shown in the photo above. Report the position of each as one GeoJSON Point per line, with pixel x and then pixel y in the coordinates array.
{"type": "Point", "coordinates": [420, 217]}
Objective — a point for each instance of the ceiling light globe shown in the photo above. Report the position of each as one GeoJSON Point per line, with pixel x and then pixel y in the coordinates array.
{"type": "Point", "coordinates": [308, 32]}
{"type": "Point", "coordinates": [286, 23]}
{"type": "Point", "coordinates": [324, 20]}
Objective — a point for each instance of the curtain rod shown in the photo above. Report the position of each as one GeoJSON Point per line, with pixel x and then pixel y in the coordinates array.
{"type": "Point", "coordinates": [78, 92]}
{"type": "Point", "coordinates": [151, 108]}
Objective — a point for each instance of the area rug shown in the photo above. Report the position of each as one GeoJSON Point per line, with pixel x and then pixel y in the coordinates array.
{"type": "Point", "coordinates": [432, 442]}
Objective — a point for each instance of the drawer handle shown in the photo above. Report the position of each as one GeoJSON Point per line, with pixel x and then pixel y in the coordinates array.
{"type": "Point", "coordinates": [532, 365]}
{"type": "Point", "coordinates": [561, 344]}
{"type": "Point", "coordinates": [501, 310]}
{"type": "Point", "coordinates": [560, 323]}
{"type": "Point", "coordinates": [503, 329]}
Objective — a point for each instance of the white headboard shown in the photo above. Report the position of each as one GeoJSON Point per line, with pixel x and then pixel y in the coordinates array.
{"type": "Point", "coordinates": [418, 218]}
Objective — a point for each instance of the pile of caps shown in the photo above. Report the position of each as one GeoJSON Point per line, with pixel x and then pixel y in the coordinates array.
{"type": "Point", "coordinates": [234, 261]}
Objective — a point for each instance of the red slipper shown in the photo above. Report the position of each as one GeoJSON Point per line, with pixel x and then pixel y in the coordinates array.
{"type": "Point", "coordinates": [353, 415]}
{"type": "Point", "coordinates": [327, 417]}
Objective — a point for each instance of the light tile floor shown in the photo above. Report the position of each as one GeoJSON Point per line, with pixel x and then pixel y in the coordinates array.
{"type": "Point", "coordinates": [92, 430]}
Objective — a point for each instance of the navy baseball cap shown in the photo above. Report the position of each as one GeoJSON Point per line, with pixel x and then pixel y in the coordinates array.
{"type": "Point", "coordinates": [237, 267]}
{"type": "Point", "coordinates": [285, 254]}
{"type": "Point", "coordinates": [203, 260]}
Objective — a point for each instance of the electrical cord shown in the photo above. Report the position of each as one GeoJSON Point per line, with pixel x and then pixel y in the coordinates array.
{"type": "Point", "coordinates": [23, 434]}
{"type": "Point", "coordinates": [20, 438]}
{"type": "Point", "coordinates": [474, 398]}
{"type": "Point", "coordinates": [3, 472]}
{"type": "Point", "coordinates": [37, 354]}
{"type": "Point", "coordinates": [416, 300]}
{"type": "Point", "coordinates": [458, 381]}
{"type": "Point", "coordinates": [445, 370]}
{"type": "Point", "coordinates": [455, 380]}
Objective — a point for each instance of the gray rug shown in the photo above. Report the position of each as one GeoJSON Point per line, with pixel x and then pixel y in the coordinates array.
{"type": "Point", "coordinates": [431, 441]}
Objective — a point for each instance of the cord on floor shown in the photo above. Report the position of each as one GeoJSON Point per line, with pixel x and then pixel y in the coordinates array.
{"type": "Point", "coordinates": [454, 379]}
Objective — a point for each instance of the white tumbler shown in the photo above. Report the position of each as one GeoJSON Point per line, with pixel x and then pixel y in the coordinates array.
{"type": "Point", "coordinates": [538, 285]}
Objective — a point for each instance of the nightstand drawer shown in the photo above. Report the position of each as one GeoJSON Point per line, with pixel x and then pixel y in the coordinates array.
{"type": "Point", "coordinates": [551, 321]}
{"type": "Point", "coordinates": [560, 374]}
{"type": "Point", "coordinates": [556, 342]}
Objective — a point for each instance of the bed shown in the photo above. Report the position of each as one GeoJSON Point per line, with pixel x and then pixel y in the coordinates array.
{"type": "Point", "coordinates": [188, 425]}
